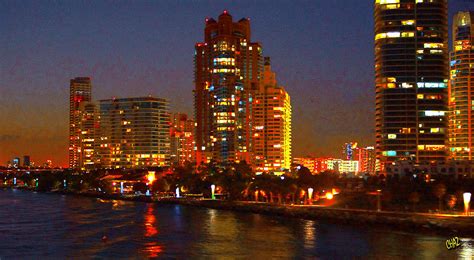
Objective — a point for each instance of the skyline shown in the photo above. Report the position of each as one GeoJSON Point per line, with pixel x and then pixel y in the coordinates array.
{"type": "Point", "coordinates": [137, 67]}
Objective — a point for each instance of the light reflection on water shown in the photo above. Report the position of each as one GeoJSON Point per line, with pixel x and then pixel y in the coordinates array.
{"type": "Point", "coordinates": [35, 225]}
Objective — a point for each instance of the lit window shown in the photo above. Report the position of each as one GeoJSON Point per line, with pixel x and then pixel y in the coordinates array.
{"type": "Point", "coordinates": [434, 113]}
{"type": "Point", "coordinates": [408, 22]}
{"type": "Point", "coordinates": [433, 45]}
{"type": "Point", "coordinates": [392, 136]}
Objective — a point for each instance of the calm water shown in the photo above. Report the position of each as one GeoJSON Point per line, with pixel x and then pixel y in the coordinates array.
{"type": "Point", "coordinates": [55, 226]}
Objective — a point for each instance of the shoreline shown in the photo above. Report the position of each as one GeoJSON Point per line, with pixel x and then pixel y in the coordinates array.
{"type": "Point", "coordinates": [435, 224]}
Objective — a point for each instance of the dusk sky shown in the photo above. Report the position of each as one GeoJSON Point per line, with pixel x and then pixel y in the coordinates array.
{"type": "Point", "coordinates": [322, 52]}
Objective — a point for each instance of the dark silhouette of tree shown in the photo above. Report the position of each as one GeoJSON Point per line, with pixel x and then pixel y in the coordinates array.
{"type": "Point", "coordinates": [439, 190]}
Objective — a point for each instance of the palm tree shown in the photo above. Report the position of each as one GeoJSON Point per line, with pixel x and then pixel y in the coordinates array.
{"type": "Point", "coordinates": [439, 191]}
{"type": "Point", "coordinates": [414, 199]}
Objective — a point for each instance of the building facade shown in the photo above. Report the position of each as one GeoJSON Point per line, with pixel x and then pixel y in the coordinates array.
{"type": "Point", "coordinates": [411, 76]}
{"type": "Point", "coordinates": [271, 125]}
{"type": "Point", "coordinates": [228, 69]}
{"type": "Point", "coordinates": [134, 132]}
{"type": "Point", "coordinates": [366, 158]}
{"type": "Point", "coordinates": [89, 132]}
{"type": "Point", "coordinates": [80, 91]}
{"type": "Point", "coordinates": [461, 92]}
{"type": "Point", "coordinates": [182, 139]}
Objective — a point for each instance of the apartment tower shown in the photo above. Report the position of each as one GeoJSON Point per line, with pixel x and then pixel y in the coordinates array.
{"type": "Point", "coordinates": [80, 92]}
{"type": "Point", "coordinates": [228, 69]}
{"type": "Point", "coordinates": [411, 77]}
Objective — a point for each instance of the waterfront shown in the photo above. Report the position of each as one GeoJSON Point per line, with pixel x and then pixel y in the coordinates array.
{"type": "Point", "coordinates": [52, 225]}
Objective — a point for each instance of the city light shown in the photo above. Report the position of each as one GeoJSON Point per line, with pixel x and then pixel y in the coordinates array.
{"type": "Point", "coordinates": [213, 189]}
{"type": "Point", "coordinates": [329, 196]}
{"type": "Point", "coordinates": [151, 177]}
{"type": "Point", "coordinates": [467, 199]}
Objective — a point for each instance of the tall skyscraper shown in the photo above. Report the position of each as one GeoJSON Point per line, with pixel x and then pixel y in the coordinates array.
{"type": "Point", "coordinates": [411, 76]}
{"type": "Point", "coordinates": [182, 139]}
{"type": "Point", "coordinates": [271, 124]}
{"type": "Point", "coordinates": [461, 91]}
{"type": "Point", "coordinates": [134, 132]}
{"type": "Point", "coordinates": [228, 69]}
{"type": "Point", "coordinates": [80, 91]}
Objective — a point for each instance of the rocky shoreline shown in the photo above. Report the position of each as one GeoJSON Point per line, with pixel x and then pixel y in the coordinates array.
{"type": "Point", "coordinates": [442, 224]}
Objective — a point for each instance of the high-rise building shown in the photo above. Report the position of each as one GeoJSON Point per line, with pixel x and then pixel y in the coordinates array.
{"type": "Point", "coordinates": [228, 69]}
{"type": "Point", "coordinates": [271, 124]}
{"type": "Point", "coordinates": [16, 162]}
{"type": "Point", "coordinates": [461, 88]}
{"type": "Point", "coordinates": [26, 161]}
{"type": "Point", "coordinates": [134, 132]}
{"type": "Point", "coordinates": [182, 139]}
{"type": "Point", "coordinates": [80, 91]}
{"type": "Point", "coordinates": [366, 158]}
{"type": "Point", "coordinates": [411, 76]}
{"type": "Point", "coordinates": [89, 127]}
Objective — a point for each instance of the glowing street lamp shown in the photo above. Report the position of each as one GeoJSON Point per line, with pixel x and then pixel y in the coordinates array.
{"type": "Point", "coordinates": [329, 196]}
{"type": "Point", "coordinates": [177, 192]}
{"type": "Point", "coordinates": [213, 190]}
{"type": "Point", "coordinates": [467, 199]}
{"type": "Point", "coordinates": [151, 177]}
{"type": "Point", "coordinates": [310, 194]}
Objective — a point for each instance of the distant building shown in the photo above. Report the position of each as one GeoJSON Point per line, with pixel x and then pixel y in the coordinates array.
{"type": "Point", "coordinates": [134, 132]}
{"type": "Point", "coordinates": [271, 125]}
{"type": "Point", "coordinates": [16, 162]}
{"type": "Point", "coordinates": [80, 91]}
{"type": "Point", "coordinates": [26, 161]}
{"type": "Point", "coordinates": [367, 160]}
{"type": "Point", "coordinates": [343, 166]}
{"type": "Point", "coordinates": [315, 165]}
{"type": "Point", "coordinates": [182, 139]}
{"type": "Point", "coordinates": [461, 88]}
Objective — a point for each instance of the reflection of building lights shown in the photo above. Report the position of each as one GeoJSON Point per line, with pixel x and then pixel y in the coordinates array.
{"type": "Point", "coordinates": [329, 196]}
{"type": "Point", "coordinates": [467, 199]}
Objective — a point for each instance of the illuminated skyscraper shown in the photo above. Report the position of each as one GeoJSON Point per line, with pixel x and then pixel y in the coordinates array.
{"type": "Point", "coordinates": [461, 91]}
{"type": "Point", "coordinates": [134, 132]}
{"type": "Point", "coordinates": [411, 76]}
{"type": "Point", "coordinates": [272, 124]}
{"type": "Point", "coordinates": [228, 69]}
{"type": "Point", "coordinates": [80, 91]}
{"type": "Point", "coordinates": [182, 139]}
{"type": "Point", "coordinates": [89, 132]}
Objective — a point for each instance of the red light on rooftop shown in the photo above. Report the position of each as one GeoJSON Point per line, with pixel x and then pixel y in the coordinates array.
{"type": "Point", "coordinates": [225, 11]}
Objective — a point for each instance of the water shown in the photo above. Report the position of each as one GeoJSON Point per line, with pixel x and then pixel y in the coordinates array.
{"type": "Point", "coordinates": [35, 225]}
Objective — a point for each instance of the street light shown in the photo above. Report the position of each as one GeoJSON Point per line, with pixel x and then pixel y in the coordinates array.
{"type": "Point", "coordinates": [329, 196]}
{"type": "Point", "coordinates": [467, 198]}
{"type": "Point", "coordinates": [177, 192]}
{"type": "Point", "coordinates": [310, 195]}
{"type": "Point", "coordinates": [213, 190]}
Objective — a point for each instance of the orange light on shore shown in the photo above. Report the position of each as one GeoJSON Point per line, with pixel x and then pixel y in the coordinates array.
{"type": "Point", "coordinates": [151, 177]}
{"type": "Point", "coordinates": [329, 195]}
